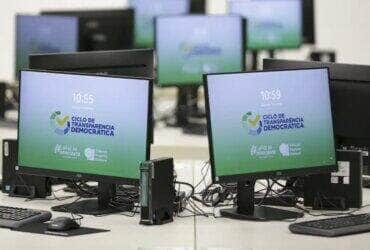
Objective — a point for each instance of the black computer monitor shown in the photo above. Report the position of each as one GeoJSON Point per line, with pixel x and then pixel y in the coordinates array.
{"type": "Point", "coordinates": [350, 98]}
{"type": "Point", "coordinates": [272, 24]}
{"type": "Point", "coordinates": [198, 47]}
{"type": "Point", "coordinates": [268, 124]}
{"type": "Point", "coordinates": [308, 21]}
{"type": "Point", "coordinates": [137, 63]}
{"type": "Point", "coordinates": [145, 13]}
{"type": "Point", "coordinates": [84, 127]}
{"type": "Point", "coordinates": [44, 34]}
{"type": "Point", "coordinates": [102, 29]}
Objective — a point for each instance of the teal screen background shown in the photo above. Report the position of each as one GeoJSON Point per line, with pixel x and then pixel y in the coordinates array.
{"type": "Point", "coordinates": [189, 46]}
{"type": "Point", "coordinates": [122, 103]}
{"type": "Point", "coordinates": [147, 10]}
{"type": "Point", "coordinates": [272, 24]}
{"type": "Point", "coordinates": [304, 93]}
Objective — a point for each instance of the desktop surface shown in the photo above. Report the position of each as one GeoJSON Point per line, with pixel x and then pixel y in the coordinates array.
{"type": "Point", "coordinates": [184, 233]}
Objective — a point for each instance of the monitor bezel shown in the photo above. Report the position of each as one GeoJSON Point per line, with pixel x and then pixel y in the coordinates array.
{"type": "Point", "coordinates": [76, 176]}
{"type": "Point", "coordinates": [269, 47]}
{"type": "Point", "coordinates": [87, 60]}
{"type": "Point", "coordinates": [263, 174]}
{"type": "Point", "coordinates": [174, 84]}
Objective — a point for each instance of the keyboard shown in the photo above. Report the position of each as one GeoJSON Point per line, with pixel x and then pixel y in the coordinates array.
{"type": "Point", "coordinates": [14, 217]}
{"type": "Point", "coordinates": [333, 227]}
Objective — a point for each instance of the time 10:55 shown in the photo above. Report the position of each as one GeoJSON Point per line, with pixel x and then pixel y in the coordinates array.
{"type": "Point", "coordinates": [83, 98]}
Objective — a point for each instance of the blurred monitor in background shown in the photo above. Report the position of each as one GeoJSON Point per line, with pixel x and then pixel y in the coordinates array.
{"type": "Point", "coordinates": [147, 10]}
{"type": "Point", "coordinates": [272, 24]}
{"type": "Point", "coordinates": [197, 46]}
{"type": "Point", "coordinates": [102, 29]}
{"type": "Point", "coordinates": [44, 34]}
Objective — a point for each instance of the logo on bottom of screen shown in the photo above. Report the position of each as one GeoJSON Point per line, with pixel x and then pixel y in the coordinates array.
{"type": "Point", "coordinates": [93, 154]}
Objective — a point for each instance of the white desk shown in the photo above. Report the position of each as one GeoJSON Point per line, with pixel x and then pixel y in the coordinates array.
{"type": "Point", "coordinates": [183, 233]}
{"type": "Point", "coordinates": [223, 233]}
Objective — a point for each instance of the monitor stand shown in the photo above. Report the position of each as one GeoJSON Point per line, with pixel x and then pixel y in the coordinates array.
{"type": "Point", "coordinates": [99, 206]}
{"type": "Point", "coordinates": [183, 113]}
{"type": "Point", "coordinates": [255, 58]}
{"type": "Point", "coordinates": [246, 210]}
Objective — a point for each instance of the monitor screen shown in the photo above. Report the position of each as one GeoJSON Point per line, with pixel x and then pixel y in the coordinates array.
{"type": "Point", "coordinates": [270, 122]}
{"type": "Point", "coordinates": [95, 125]}
{"type": "Point", "coordinates": [104, 29]}
{"type": "Point", "coordinates": [272, 24]}
{"type": "Point", "coordinates": [44, 34]}
{"type": "Point", "coordinates": [199, 46]}
{"type": "Point", "coordinates": [147, 10]}
{"type": "Point", "coordinates": [350, 92]}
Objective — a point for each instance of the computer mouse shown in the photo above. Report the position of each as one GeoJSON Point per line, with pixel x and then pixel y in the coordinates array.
{"type": "Point", "coordinates": [62, 224]}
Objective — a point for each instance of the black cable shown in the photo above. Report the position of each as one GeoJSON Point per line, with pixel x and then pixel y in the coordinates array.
{"type": "Point", "coordinates": [186, 184]}
{"type": "Point", "coordinates": [268, 190]}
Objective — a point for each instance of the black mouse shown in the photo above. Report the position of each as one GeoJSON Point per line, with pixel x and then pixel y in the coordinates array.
{"type": "Point", "coordinates": [62, 224]}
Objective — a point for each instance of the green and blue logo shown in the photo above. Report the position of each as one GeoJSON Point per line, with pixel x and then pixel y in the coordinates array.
{"type": "Point", "coordinates": [253, 122]}
{"type": "Point", "coordinates": [203, 49]}
{"type": "Point", "coordinates": [60, 124]}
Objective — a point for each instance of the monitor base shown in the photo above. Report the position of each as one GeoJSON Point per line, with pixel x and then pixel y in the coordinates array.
{"type": "Point", "coordinates": [195, 129]}
{"type": "Point", "coordinates": [90, 207]}
{"type": "Point", "coordinates": [288, 199]}
{"type": "Point", "coordinates": [261, 213]}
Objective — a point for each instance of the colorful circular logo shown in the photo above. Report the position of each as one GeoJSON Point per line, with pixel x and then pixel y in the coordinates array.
{"type": "Point", "coordinates": [253, 123]}
{"type": "Point", "coordinates": [59, 123]}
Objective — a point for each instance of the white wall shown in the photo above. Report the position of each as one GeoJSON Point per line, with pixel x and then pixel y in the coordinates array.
{"type": "Point", "coordinates": [343, 25]}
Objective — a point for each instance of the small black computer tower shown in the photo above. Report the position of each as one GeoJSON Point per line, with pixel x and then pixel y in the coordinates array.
{"type": "Point", "coordinates": [338, 190]}
{"type": "Point", "coordinates": [2, 100]}
{"type": "Point", "coordinates": [157, 191]}
{"type": "Point", "coordinates": [20, 185]}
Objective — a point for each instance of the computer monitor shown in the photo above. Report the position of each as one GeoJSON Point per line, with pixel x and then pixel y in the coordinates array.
{"type": "Point", "coordinates": [268, 124]}
{"type": "Point", "coordinates": [102, 29]}
{"type": "Point", "coordinates": [137, 63]}
{"type": "Point", "coordinates": [350, 98]}
{"type": "Point", "coordinates": [198, 47]}
{"type": "Point", "coordinates": [147, 10]}
{"type": "Point", "coordinates": [44, 34]}
{"type": "Point", "coordinates": [308, 21]}
{"type": "Point", "coordinates": [272, 24]}
{"type": "Point", "coordinates": [84, 127]}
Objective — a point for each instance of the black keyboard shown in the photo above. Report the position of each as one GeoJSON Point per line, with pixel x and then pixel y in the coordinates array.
{"type": "Point", "coordinates": [13, 217]}
{"type": "Point", "coordinates": [333, 227]}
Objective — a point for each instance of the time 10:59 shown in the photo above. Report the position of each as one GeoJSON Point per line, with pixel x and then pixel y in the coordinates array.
{"type": "Point", "coordinates": [271, 95]}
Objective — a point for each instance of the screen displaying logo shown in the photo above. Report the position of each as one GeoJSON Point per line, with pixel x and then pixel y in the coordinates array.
{"type": "Point", "coordinates": [253, 122]}
{"type": "Point", "coordinates": [61, 124]}
{"type": "Point", "coordinates": [202, 49]}
{"type": "Point", "coordinates": [257, 123]}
